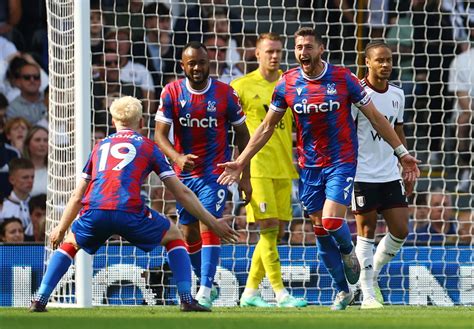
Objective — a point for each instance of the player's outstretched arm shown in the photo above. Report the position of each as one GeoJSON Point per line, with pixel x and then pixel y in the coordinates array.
{"type": "Point", "coordinates": [70, 212]}
{"type": "Point", "coordinates": [409, 163]}
{"type": "Point", "coordinates": [242, 138]}
{"type": "Point", "coordinates": [191, 203]}
{"type": "Point", "coordinates": [184, 161]}
{"type": "Point", "coordinates": [262, 134]}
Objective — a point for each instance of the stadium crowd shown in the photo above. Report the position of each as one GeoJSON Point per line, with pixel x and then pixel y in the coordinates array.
{"type": "Point", "coordinates": [136, 48]}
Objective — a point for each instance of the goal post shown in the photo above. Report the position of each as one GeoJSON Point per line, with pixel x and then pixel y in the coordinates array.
{"type": "Point", "coordinates": [69, 119]}
{"type": "Point", "coordinates": [82, 88]}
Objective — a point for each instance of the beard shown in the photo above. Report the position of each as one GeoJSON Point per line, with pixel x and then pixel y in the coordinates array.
{"type": "Point", "coordinates": [205, 76]}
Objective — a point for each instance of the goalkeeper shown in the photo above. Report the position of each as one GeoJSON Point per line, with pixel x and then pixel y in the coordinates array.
{"type": "Point", "coordinates": [271, 171]}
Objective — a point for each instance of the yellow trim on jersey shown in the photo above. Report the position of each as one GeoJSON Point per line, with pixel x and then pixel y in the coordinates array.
{"type": "Point", "coordinates": [275, 159]}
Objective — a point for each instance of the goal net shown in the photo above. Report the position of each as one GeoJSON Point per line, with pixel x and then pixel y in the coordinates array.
{"type": "Point", "coordinates": [135, 49]}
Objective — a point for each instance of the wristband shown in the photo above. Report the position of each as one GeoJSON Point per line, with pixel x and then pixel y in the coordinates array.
{"type": "Point", "coordinates": [401, 151]}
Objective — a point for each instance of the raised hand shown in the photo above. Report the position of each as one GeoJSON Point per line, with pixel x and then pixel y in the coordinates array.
{"type": "Point", "coordinates": [231, 173]}
{"type": "Point", "coordinates": [186, 161]}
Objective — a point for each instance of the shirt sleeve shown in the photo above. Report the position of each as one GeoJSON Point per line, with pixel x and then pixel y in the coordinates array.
{"type": "Point", "coordinates": [165, 109]}
{"type": "Point", "coordinates": [401, 111]}
{"type": "Point", "coordinates": [161, 165]}
{"type": "Point", "coordinates": [89, 167]}
{"type": "Point", "coordinates": [278, 103]}
{"type": "Point", "coordinates": [234, 108]}
{"type": "Point", "coordinates": [358, 95]}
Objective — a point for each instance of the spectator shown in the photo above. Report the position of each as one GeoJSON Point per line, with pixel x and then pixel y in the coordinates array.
{"type": "Point", "coordinates": [466, 226]}
{"type": "Point", "coordinates": [36, 149]}
{"type": "Point", "coordinates": [420, 216]}
{"type": "Point", "coordinates": [16, 130]}
{"type": "Point", "coordinates": [377, 17]}
{"type": "Point", "coordinates": [461, 83]}
{"type": "Point", "coordinates": [218, 68]}
{"type": "Point", "coordinates": [7, 153]}
{"type": "Point", "coordinates": [3, 115]}
{"type": "Point", "coordinates": [44, 121]}
{"type": "Point", "coordinates": [247, 53]}
{"type": "Point", "coordinates": [441, 225]}
{"type": "Point", "coordinates": [7, 52]}
{"type": "Point", "coordinates": [248, 232]}
{"type": "Point", "coordinates": [30, 102]}
{"type": "Point", "coordinates": [108, 86]}
{"type": "Point", "coordinates": [128, 13]}
{"type": "Point", "coordinates": [219, 25]}
{"type": "Point", "coordinates": [98, 24]}
{"type": "Point", "coordinates": [400, 39]}
{"type": "Point", "coordinates": [118, 42]}
{"type": "Point", "coordinates": [301, 233]}
{"type": "Point", "coordinates": [21, 175]}
{"type": "Point", "coordinates": [99, 134]}
{"type": "Point", "coordinates": [37, 208]}
{"type": "Point", "coordinates": [11, 231]}
{"type": "Point", "coordinates": [157, 52]}
{"type": "Point", "coordinates": [337, 20]}
{"type": "Point", "coordinates": [193, 25]}
{"type": "Point", "coordinates": [10, 15]}
{"type": "Point", "coordinates": [10, 80]}
{"type": "Point", "coordinates": [434, 51]}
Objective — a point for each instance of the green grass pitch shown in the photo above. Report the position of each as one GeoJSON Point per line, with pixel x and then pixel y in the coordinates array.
{"type": "Point", "coordinates": [167, 317]}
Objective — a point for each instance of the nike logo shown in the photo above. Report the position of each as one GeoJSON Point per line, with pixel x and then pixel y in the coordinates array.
{"type": "Point", "coordinates": [218, 206]}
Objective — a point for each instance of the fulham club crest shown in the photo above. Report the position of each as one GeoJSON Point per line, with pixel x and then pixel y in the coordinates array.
{"type": "Point", "coordinates": [360, 201]}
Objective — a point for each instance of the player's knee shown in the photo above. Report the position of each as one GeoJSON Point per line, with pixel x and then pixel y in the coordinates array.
{"type": "Point", "coordinates": [332, 223]}
{"type": "Point", "coordinates": [319, 231]}
{"type": "Point", "coordinates": [268, 223]}
{"type": "Point", "coordinates": [172, 234]}
{"type": "Point", "coordinates": [367, 231]}
{"type": "Point", "coordinates": [69, 249]}
{"type": "Point", "coordinates": [191, 232]}
{"type": "Point", "coordinates": [401, 233]}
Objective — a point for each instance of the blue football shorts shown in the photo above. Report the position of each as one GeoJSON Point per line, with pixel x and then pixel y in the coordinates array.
{"type": "Point", "coordinates": [211, 194]}
{"type": "Point", "coordinates": [334, 183]}
{"type": "Point", "coordinates": [144, 230]}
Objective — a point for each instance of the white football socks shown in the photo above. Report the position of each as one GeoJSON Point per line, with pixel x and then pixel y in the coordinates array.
{"type": "Point", "coordinates": [280, 295]}
{"type": "Point", "coordinates": [203, 292]}
{"type": "Point", "coordinates": [250, 292]}
{"type": "Point", "coordinates": [365, 253]}
{"type": "Point", "coordinates": [387, 248]}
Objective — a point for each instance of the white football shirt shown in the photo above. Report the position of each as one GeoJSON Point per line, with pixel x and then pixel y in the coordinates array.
{"type": "Point", "coordinates": [376, 162]}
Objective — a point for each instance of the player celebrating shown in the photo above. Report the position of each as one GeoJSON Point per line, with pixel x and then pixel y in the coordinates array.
{"type": "Point", "coordinates": [201, 111]}
{"type": "Point", "coordinates": [320, 95]}
{"type": "Point", "coordinates": [377, 185]}
{"type": "Point", "coordinates": [271, 180]}
{"type": "Point", "coordinates": [111, 204]}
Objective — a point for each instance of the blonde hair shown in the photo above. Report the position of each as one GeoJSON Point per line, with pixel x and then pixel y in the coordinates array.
{"type": "Point", "coordinates": [126, 110]}
{"type": "Point", "coordinates": [269, 36]}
